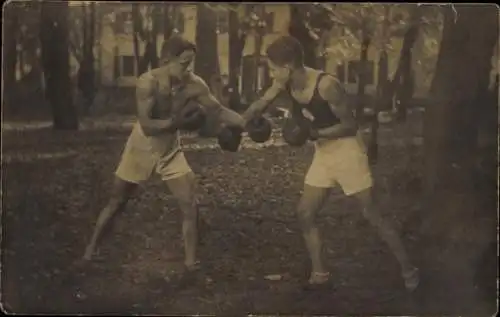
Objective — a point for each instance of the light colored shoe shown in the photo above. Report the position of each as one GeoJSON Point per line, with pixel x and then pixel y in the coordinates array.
{"type": "Point", "coordinates": [196, 266]}
{"type": "Point", "coordinates": [412, 279]}
{"type": "Point", "coordinates": [318, 278]}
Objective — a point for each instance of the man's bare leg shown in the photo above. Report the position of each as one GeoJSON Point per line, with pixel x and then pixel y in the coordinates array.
{"type": "Point", "coordinates": [390, 237]}
{"type": "Point", "coordinates": [310, 203]}
{"type": "Point", "coordinates": [120, 194]}
{"type": "Point", "coordinates": [183, 189]}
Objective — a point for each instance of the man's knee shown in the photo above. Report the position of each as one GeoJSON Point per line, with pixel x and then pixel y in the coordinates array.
{"type": "Point", "coordinates": [368, 208]}
{"type": "Point", "coordinates": [120, 194]}
{"type": "Point", "coordinates": [116, 202]}
{"type": "Point", "coordinates": [305, 217]}
{"type": "Point", "coordinates": [187, 202]}
{"type": "Point", "coordinates": [188, 207]}
{"type": "Point", "coordinates": [184, 191]}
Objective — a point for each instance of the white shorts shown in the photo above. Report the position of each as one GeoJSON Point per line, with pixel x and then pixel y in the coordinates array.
{"type": "Point", "coordinates": [340, 162]}
{"type": "Point", "coordinates": [137, 164]}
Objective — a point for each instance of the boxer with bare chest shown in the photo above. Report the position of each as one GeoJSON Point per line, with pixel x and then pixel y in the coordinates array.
{"type": "Point", "coordinates": [154, 145]}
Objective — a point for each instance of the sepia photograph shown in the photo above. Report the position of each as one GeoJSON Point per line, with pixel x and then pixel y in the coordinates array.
{"type": "Point", "coordinates": [249, 158]}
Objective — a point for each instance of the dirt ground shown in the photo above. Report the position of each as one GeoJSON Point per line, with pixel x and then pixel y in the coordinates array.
{"type": "Point", "coordinates": [54, 184]}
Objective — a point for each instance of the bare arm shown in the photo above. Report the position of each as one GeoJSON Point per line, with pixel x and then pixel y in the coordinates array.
{"type": "Point", "coordinates": [225, 115]}
{"type": "Point", "coordinates": [331, 90]}
{"type": "Point", "coordinates": [146, 98]}
{"type": "Point", "coordinates": [260, 105]}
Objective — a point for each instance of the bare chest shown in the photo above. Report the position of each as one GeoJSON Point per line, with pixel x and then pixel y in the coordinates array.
{"type": "Point", "coordinates": [168, 97]}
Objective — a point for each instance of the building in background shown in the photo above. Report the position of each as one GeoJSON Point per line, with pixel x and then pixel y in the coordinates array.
{"type": "Point", "coordinates": [118, 63]}
{"type": "Point", "coordinates": [118, 67]}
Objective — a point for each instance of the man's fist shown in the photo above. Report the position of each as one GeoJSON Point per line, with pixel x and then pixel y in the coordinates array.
{"type": "Point", "coordinates": [229, 138]}
{"type": "Point", "coordinates": [191, 117]}
{"type": "Point", "coordinates": [296, 131]}
{"type": "Point", "coordinates": [259, 129]}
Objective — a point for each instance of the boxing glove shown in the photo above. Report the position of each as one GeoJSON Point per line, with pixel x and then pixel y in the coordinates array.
{"type": "Point", "coordinates": [259, 129]}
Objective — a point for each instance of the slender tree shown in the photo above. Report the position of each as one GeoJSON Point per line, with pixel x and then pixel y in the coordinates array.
{"type": "Point", "coordinates": [207, 60]}
{"type": "Point", "coordinates": [237, 38]}
{"type": "Point", "coordinates": [145, 28]}
{"type": "Point", "coordinates": [10, 32]}
{"type": "Point", "coordinates": [303, 33]}
{"type": "Point", "coordinates": [55, 55]}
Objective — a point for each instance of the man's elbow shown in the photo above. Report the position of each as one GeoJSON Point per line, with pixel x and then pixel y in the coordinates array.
{"type": "Point", "coordinates": [147, 129]}
{"type": "Point", "coordinates": [351, 129]}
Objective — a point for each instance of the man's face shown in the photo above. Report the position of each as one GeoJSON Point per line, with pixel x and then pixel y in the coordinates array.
{"type": "Point", "coordinates": [181, 66]}
{"type": "Point", "coordinates": [280, 74]}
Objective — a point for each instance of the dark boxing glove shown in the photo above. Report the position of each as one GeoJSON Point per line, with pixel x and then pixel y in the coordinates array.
{"type": "Point", "coordinates": [229, 138]}
{"type": "Point", "coordinates": [259, 129]}
{"type": "Point", "coordinates": [191, 117]}
{"type": "Point", "coordinates": [296, 131]}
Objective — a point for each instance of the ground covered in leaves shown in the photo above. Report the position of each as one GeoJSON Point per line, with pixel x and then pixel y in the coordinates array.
{"type": "Point", "coordinates": [55, 183]}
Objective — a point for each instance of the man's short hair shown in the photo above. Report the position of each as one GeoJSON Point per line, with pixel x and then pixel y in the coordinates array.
{"type": "Point", "coordinates": [286, 50]}
{"type": "Point", "coordinates": [175, 46]}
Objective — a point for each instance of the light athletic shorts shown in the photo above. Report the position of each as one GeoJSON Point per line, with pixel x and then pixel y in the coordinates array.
{"type": "Point", "coordinates": [341, 162]}
{"type": "Point", "coordinates": [138, 163]}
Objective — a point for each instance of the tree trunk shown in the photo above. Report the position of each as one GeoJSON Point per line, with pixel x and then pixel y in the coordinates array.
{"type": "Point", "coordinates": [402, 82]}
{"type": "Point", "coordinates": [298, 30]}
{"type": "Point", "coordinates": [169, 11]}
{"type": "Point", "coordinates": [92, 22]}
{"type": "Point", "coordinates": [149, 37]}
{"type": "Point", "coordinates": [55, 44]}
{"type": "Point", "coordinates": [98, 31]}
{"type": "Point", "coordinates": [404, 93]}
{"type": "Point", "coordinates": [258, 48]}
{"type": "Point", "coordinates": [150, 57]}
{"type": "Point", "coordinates": [404, 85]}
{"type": "Point", "coordinates": [85, 31]}
{"type": "Point", "coordinates": [207, 60]}
{"type": "Point", "coordinates": [453, 214]}
{"type": "Point", "coordinates": [362, 72]}
{"type": "Point", "coordinates": [153, 39]}
{"type": "Point", "coordinates": [137, 30]}
{"type": "Point", "coordinates": [383, 65]}
{"type": "Point", "coordinates": [21, 63]}
{"type": "Point", "coordinates": [10, 55]}
{"type": "Point", "coordinates": [382, 77]}
{"type": "Point", "coordinates": [237, 40]}
{"type": "Point", "coordinates": [86, 72]}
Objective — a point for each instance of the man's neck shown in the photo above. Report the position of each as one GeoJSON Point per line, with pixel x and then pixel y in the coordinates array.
{"type": "Point", "coordinates": [177, 82]}
{"type": "Point", "coordinates": [299, 79]}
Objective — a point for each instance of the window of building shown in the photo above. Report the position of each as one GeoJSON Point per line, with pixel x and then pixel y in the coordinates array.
{"type": "Point", "coordinates": [370, 73]}
{"type": "Point", "coordinates": [173, 16]}
{"type": "Point", "coordinates": [123, 22]}
{"type": "Point", "coordinates": [128, 27]}
{"type": "Point", "coordinates": [269, 18]}
{"type": "Point", "coordinates": [128, 66]}
{"type": "Point", "coordinates": [179, 21]}
{"type": "Point", "coordinates": [116, 63]}
{"type": "Point", "coordinates": [352, 72]}
{"type": "Point", "coordinates": [222, 22]}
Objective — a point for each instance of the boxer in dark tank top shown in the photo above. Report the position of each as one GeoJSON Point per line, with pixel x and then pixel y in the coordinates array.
{"type": "Point", "coordinates": [339, 158]}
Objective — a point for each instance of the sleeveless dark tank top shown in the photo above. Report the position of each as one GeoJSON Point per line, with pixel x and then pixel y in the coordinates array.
{"type": "Point", "coordinates": [317, 106]}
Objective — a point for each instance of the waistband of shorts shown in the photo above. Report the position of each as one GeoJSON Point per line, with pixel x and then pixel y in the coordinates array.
{"type": "Point", "coordinates": [328, 144]}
